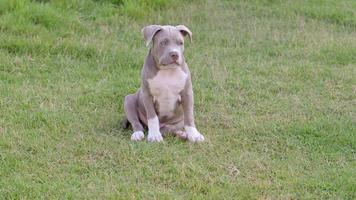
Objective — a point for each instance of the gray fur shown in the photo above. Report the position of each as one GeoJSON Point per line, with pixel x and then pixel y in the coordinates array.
{"type": "Point", "coordinates": [166, 53]}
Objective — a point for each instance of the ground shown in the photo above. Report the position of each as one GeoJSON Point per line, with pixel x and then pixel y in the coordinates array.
{"type": "Point", "coordinates": [275, 97]}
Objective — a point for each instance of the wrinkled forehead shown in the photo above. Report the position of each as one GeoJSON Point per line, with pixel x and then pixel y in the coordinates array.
{"type": "Point", "coordinates": [169, 32]}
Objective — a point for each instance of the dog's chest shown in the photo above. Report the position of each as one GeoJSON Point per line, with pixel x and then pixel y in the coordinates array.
{"type": "Point", "coordinates": [165, 88]}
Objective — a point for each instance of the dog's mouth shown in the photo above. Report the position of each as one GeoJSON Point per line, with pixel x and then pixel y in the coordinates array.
{"type": "Point", "coordinates": [165, 60]}
{"type": "Point", "coordinates": [171, 65]}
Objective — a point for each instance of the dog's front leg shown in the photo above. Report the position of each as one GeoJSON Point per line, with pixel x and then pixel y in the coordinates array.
{"type": "Point", "coordinates": [193, 134]}
{"type": "Point", "coordinates": [154, 135]}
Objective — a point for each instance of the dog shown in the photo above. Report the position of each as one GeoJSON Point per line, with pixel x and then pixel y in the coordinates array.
{"type": "Point", "coordinates": [164, 102]}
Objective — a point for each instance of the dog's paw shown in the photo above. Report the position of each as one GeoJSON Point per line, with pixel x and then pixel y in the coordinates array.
{"type": "Point", "coordinates": [154, 137]}
{"type": "Point", "coordinates": [181, 134]}
{"type": "Point", "coordinates": [137, 136]}
{"type": "Point", "coordinates": [193, 134]}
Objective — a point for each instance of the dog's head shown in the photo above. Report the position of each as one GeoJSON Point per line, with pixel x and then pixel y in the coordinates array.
{"type": "Point", "coordinates": [168, 44]}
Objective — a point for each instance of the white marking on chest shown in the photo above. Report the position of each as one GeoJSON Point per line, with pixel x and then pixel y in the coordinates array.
{"type": "Point", "coordinates": [165, 88]}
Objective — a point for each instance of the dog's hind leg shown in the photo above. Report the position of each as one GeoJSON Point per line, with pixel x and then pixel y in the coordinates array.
{"type": "Point", "coordinates": [175, 129]}
{"type": "Point", "coordinates": [125, 123]}
{"type": "Point", "coordinates": [130, 107]}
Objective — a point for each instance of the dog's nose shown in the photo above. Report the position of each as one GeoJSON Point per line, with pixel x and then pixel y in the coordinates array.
{"type": "Point", "coordinates": [174, 55]}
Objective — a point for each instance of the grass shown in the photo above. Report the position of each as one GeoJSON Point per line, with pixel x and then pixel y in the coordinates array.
{"type": "Point", "coordinates": [275, 90]}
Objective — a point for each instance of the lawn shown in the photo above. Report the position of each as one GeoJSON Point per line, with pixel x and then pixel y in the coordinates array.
{"type": "Point", "coordinates": [275, 97]}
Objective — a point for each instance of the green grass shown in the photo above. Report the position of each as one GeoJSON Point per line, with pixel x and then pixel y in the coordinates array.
{"type": "Point", "coordinates": [275, 90]}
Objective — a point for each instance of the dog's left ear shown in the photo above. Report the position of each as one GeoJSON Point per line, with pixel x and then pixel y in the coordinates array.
{"type": "Point", "coordinates": [185, 31]}
{"type": "Point", "coordinates": [149, 32]}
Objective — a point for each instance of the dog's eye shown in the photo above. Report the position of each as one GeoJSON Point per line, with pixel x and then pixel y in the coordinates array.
{"type": "Point", "coordinates": [180, 43]}
{"type": "Point", "coordinates": [164, 43]}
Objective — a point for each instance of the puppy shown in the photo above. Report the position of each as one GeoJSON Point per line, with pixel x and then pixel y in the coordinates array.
{"type": "Point", "coordinates": [164, 102]}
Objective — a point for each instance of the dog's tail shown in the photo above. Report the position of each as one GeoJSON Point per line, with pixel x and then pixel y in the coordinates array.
{"type": "Point", "coordinates": [125, 123]}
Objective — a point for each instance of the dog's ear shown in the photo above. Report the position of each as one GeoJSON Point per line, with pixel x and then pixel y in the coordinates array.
{"type": "Point", "coordinates": [149, 32]}
{"type": "Point", "coordinates": [185, 31]}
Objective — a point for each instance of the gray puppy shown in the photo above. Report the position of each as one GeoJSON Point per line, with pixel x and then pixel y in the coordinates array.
{"type": "Point", "coordinates": [164, 103]}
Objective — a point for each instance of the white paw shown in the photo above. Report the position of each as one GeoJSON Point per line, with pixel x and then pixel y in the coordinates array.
{"type": "Point", "coordinates": [154, 137]}
{"type": "Point", "coordinates": [193, 134]}
{"type": "Point", "coordinates": [137, 136]}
